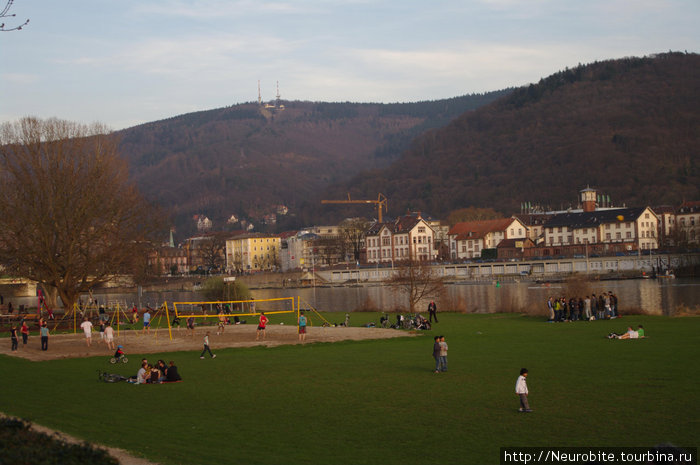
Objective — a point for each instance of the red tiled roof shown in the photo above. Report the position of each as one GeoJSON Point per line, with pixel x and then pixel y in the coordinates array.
{"type": "Point", "coordinates": [478, 229]}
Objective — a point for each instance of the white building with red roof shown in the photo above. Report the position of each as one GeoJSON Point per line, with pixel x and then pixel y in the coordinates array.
{"type": "Point", "coordinates": [468, 239]}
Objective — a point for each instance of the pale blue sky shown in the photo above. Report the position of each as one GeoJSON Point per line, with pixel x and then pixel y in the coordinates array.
{"type": "Point", "coordinates": [128, 62]}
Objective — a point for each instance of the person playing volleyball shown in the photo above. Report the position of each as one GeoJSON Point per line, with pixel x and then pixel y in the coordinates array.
{"type": "Point", "coordinates": [261, 326]}
{"type": "Point", "coordinates": [302, 326]}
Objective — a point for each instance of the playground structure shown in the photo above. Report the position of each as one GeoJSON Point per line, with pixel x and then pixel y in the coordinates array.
{"type": "Point", "coordinates": [123, 317]}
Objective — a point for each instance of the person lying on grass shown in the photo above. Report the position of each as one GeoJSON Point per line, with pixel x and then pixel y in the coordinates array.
{"type": "Point", "coordinates": [630, 334]}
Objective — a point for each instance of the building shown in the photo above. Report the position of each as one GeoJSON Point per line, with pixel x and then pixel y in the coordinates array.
{"type": "Point", "coordinates": [168, 260]}
{"type": "Point", "coordinates": [297, 250]}
{"type": "Point", "coordinates": [468, 239]}
{"type": "Point", "coordinates": [409, 237]}
{"type": "Point", "coordinates": [614, 230]}
{"type": "Point", "coordinates": [253, 252]}
{"type": "Point", "coordinates": [687, 223]}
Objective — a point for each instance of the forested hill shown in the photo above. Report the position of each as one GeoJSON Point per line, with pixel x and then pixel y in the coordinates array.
{"type": "Point", "coordinates": [629, 127]}
{"type": "Point", "coordinates": [246, 159]}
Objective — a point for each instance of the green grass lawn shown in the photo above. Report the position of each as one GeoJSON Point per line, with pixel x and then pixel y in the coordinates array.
{"type": "Point", "coordinates": [378, 402]}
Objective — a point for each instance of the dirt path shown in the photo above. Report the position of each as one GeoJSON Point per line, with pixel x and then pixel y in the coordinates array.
{"type": "Point", "coordinates": [136, 342]}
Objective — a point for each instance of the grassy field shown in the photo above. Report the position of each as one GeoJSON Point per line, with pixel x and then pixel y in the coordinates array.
{"type": "Point", "coordinates": [378, 402]}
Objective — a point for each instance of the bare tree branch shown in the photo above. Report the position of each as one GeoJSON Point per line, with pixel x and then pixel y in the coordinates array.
{"type": "Point", "coordinates": [418, 281]}
{"type": "Point", "coordinates": [5, 14]}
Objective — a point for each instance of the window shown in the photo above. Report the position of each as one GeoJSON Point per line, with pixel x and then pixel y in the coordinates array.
{"type": "Point", "coordinates": [618, 235]}
{"type": "Point", "coordinates": [607, 236]}
{"type": "Point", "coordinates": [628, 234]}
{"type": "Point", "coordinates": [646, 216]}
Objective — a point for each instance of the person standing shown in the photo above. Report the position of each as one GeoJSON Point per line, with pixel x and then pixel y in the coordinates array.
{"type": "Point", "coordinates": [436, 353]}
{"type": "Point", "coordinates": [109, 336]}
{"type": "Point", "coordinates": [206, 347]}
{"type": "Point", "coordinates": [302, 326]}
{"type": "Point", "coordinates": [25, 332]}
{"type": "Point", "coordinates": [432, 311]}
{"type": "Point", "coordinates": [550, 307]}
{"type": "Point", "coordinates": [13, 337]}
{"type": "Point", "coordinates": [134, 314]}
{"type": "Point", "coordinates": [587, 308]}
{"type": "Point", "coordinates": [222, 322]}
{"type": "Point", "coordinates": [443, 354]}
{"type": "Point", "coordinates": [522, 392]}
{"type": "Point", "coordinates": [147, 321]}
{"type": "Point", "coordinates": [190, 324]}
{"type": "Point", "coordinates": [44, 333]}
{"type": "Point", "coordinates": [262, 323]}
{"type": "Point", "coordinates": [86, 326]}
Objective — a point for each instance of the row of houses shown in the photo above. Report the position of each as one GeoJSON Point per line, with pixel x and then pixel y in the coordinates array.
{"type": "Point", "coordinates": [586, 231]}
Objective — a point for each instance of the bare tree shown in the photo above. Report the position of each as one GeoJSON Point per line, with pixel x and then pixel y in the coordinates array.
{"type": "Point", "coordinates": [329, 249]}
{"type": "Point", "coordinates": [418, 280]}
{"type": "Point", "coordinates": [353, 232]}
{"type": "Point", "coordinates": [71, 218]}
{"type": "Point", "coordinates": [212, 250]}
{"type": "Point", "coordinates": [5, 13]}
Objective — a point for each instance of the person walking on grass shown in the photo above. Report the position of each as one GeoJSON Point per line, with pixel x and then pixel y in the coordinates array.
{"type": "Point", "coordinates": [432, 312]}
{"type": "Point", "coordinates": [522, 392]}
{"type": "Point", "coordinates": [262, 323]}
{"type": "Point", "coordinates": [302, 327]}
{"type": "Point", "coordinates": [206, 347]}
{"type": "Point", "coordinates": [44, 333]}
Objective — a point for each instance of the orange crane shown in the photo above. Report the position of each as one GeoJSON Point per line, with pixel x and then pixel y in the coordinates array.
{"type": "Point", "coordinates": [380, 202]}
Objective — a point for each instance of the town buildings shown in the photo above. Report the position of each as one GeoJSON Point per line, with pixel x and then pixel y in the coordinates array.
{"type": "Point", "coordinates": [409, 237]}
{"type": "Point", "coordinates": [252, 252]}
{"type": "Point", "coordinates": [594, 227]}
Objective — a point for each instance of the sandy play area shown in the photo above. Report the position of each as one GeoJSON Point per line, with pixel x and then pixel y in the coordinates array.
{"type": "Point", "coordinates": [137, 342]}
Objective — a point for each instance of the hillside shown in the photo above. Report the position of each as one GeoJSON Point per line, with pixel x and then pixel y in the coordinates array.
{"type": "Point", "coordinates": [243, 160]}
{"type": "Point", "coordinates": [629, 127]}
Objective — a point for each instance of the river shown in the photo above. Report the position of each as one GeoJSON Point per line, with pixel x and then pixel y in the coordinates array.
{"type": "Point", "coordinates": [651, 296]}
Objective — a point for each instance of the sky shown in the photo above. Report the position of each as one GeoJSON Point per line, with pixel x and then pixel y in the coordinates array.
{"type": "Point", "coordinates": [123, 63]}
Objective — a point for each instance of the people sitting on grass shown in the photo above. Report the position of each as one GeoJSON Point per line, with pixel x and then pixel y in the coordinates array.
{"type": "Point", "coordinates": [171, 374]}
{"type": "Point", "coordinates": [161, 373]}
{"type": "Point", "coordinates": [153, 375]}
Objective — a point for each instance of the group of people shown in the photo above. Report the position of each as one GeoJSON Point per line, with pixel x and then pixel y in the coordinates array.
{"type": "Point", "coordinates": [24, 331]}
{"type": "Point", "coordinates": [106, 332]}
{"type": "Point", "coordinates": [156, 374]}
{"type": "Point", "coordinates": [603, 306]}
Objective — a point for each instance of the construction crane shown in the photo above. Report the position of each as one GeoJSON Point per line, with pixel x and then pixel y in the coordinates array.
{"type": "Point", "coordinates": [380, 202]}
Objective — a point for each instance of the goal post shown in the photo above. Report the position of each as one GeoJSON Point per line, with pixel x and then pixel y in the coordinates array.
{"type": "Point", "coordinates": [203, 310]}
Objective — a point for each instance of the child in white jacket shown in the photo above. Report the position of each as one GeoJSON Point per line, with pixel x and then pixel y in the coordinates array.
{"type": "Point", "coordinates": [521, 391]}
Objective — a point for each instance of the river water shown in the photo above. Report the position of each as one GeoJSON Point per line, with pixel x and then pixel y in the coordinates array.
{"type": "Point", "coordinates": [651, 296]}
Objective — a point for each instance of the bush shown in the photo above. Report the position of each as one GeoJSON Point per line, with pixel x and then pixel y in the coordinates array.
{"type": "Point", "coordinates": [20, 444]}
{"type": "Point", "coordinates": [218, 289]}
